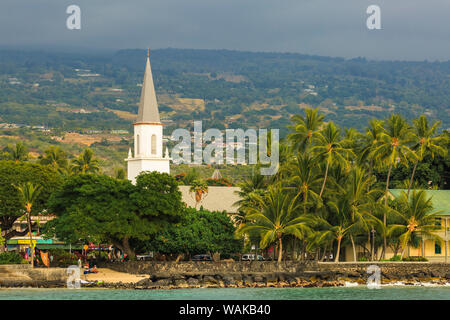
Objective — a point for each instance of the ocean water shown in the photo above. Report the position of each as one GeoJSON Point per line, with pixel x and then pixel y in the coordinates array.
{"type": "Point", "coordinates": [332, 293]}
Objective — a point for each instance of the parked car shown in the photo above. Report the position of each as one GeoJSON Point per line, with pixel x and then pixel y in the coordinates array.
{"type": "Point", "coordinates": [202, 257]}
{"type": "Point", "coordinates": [250, 256]}
{"type": "Point", "coordinates": [144, 257]}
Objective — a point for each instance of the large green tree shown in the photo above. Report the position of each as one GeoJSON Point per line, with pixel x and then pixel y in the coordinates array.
{"type": "Point", "coordinates": [11, 205]}
{"type": "Point", "coordinates": [392, 149]}
{"type": "Point", "coordinates": [426, 141]}
{"type": "Point", "coordinates": [99, 208]}
{"type": "Point", "coordinates": [276, 215]}
{"type": "Point", "coordinates": [55, 157]}
{"type": "Point", "coordinates": [417, 218]}
{"type": "Point", "coordinates": [85, 163]}
{"type": "Point", "coordinates": [28, 195]}
{"type": "Point", "coordinates": [330, 148]}
{"type": "Point", "coordinates": [198, 232]}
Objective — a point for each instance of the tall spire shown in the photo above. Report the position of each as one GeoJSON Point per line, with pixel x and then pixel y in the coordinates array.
{"type": "Point", "coordinates": [148, 107]}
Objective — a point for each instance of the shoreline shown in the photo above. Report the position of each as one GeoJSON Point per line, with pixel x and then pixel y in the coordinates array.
{"type": "Point", "coordinates": [151, 276]}
{"type": "Point", "coordinates": [119, 286]}
{"type": "Point", "coordinates": [166, 284]}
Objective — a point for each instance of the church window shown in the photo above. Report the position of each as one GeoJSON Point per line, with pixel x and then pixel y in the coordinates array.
{"type": "Point", "coordinates": [137, 145]}
{"type": "Point", "coordinates": [153, 144]}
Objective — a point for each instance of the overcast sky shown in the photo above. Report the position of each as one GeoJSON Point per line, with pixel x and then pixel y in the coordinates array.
{"type": "Point", "coordinates": [411, 29]}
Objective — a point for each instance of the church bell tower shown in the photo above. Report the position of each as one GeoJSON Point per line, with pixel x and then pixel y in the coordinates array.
{"type": "Point", "coordinates": [148, 133]}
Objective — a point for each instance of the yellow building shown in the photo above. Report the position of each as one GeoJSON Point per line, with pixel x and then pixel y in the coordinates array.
{"type": "Point", "coordinates": [432, 250]}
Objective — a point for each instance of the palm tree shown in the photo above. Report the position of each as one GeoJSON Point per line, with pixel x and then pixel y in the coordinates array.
{"type": "Point", "coordinates": [360, 202]}
{"type": "Point", "coordinates": [120, 173]}
{"type": "Point", "coordinates": [192, 176]}
{"type": "Point", "coordinates": [329, 146]}
{"type": "Point", "coordinates": [256, 184]}
{"type": "Point", "coordinates": [200, 191]}
{"type": "Point", "coordinates": [303, 178]}
{"type": "Point", "coordinates": [392, 149]}
{"type": "Point", "coordinates": [17, 153]}
{"type": "Point", "coordinates": [426, 141]}
{"type": "Point", "coordinates": [304, 128]}
{"type": "Point", "coordinates": [338, 226]}
{"type": "Point", "coordinates": [274, 217]}
{"type": "Point", "coordinates": [371, 139]}
{"type": "Point", "coordinates": [56, 157]}
{"type": "Point", "coordinates": [28, 194]}
{"type": "Point", "coordinates": [85, 163]}
{"type": "Point", "coordinates": [417, 217]}
{"type": "Point", "coordinates": [353, 140]}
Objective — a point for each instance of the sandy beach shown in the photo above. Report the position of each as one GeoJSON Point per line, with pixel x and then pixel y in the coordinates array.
{"type": "Point", "coordinates": [111, 276]}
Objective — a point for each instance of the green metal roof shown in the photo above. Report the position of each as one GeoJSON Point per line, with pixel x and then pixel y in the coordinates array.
{"type": "Point", "coordinates": [439, 198]}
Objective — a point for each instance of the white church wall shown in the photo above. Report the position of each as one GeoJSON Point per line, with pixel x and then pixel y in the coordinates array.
{"type": "Point", "coordinates": [137, 165]}
{"type": "Point", "coordinates": [142, 146]}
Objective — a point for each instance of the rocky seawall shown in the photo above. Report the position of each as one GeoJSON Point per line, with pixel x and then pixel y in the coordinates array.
{"type": "Point", "coordinates": [171, 275]}
{"type": "Point", "coordinates": [287, 274]}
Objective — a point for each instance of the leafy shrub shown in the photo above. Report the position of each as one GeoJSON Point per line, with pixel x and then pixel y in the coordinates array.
{"type": "Point", "coordinates": [12, 257]}
{"type": "Point", "coordinates": [223, 182]}
{"type": "Point", "coordinates": [62, 258]}
{"type": "Point", "coordinates": [363, 259]}
{"type": "Point", "coordinates": [396, 258]}
{"type": "Point", "coordinates": [415, 259]}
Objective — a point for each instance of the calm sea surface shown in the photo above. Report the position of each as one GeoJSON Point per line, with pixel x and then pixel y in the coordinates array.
{"type": "Point", "coordinates": [333, 293]}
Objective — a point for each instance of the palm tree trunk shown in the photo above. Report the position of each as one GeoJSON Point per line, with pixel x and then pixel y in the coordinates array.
{"type": "Point", "coordinates": [354, 249]}
{"type": "Point", "coordinates": [370, 173]}
{"type": "Point", "coordinates": [324, 252]}
{"type": "Point", "coordinates": [338, 250]}
{"type": "Point", "coordinates": [403, 252]}
{"type": "Point", "coordinates": [412, 178]}
{"type": "Point", "coordinates": [280, 250]}
{"type": "Point", "coordinates": [31, 238]}
{"type": "Point", "coordinates": [294, 250]}
{"type": "Point", "coordinates": [384, 213]}
{"type": "Point", "coordinates": [325, 179]}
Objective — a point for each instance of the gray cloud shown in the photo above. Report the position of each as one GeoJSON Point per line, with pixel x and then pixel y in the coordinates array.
{"type": "Point", "coordinates": [411, 29]}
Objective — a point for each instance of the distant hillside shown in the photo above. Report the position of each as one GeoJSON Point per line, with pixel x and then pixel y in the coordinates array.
{"type": "Point", "coordinates": [224, 88]}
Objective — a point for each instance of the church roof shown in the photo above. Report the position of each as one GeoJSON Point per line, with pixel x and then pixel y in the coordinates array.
{"type": "Point", "coordinates": [148, 107]}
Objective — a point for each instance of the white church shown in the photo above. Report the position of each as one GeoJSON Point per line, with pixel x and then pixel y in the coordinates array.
{"type": "Point", "coordinates": [150, 155]}
{"type": "Point", "coordinates": [148, 133]}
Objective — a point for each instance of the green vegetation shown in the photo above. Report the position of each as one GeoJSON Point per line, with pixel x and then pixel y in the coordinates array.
{"type": "Point", "coordinates": [198, 232]}
{"type": "Point", "coordinates": [60, 93]}
{"type": "Point", "coordinates": [28, 195]}
{"type": "Point", "coordinates": [11, 202]}
{"type": "Point", "coordinates": [11, 258]}
{"type": "Point", "coordinates": [98, 208]}
{"type": "Point", "coordinates": [243, 88]}
{"type": "Point", "coordinates": [331, 191]}
{"type": "Point", "coordinates": [329, 194]}
{"type": "Point", "coordinates": [62, 258]}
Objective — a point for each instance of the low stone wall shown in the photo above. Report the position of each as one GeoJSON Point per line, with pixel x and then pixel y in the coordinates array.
{"type": "Point", "coordinates": [24, 275]}
{"type": "Point", "coordinates": [333, 271]}
{"type": "Point", "coordinates": [171, 275]}
{"type": "Point", "coordinates": [154, 267]}
{"type": "Point", "coordinates": [399, 270]}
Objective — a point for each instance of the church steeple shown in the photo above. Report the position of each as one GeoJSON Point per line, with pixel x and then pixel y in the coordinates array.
{"type": "Point", "coordinates": [148, 106]}
{"type": "Point", "coordinates": [148, 133]}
